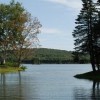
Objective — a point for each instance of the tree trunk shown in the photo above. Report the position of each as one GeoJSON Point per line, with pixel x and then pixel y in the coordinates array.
{"type": "Point", "coordinates": [93, 67]}
{"type": "Point", "coordinates": [3, 62]}
{"type": "Point", "coordinates": [92, 62]}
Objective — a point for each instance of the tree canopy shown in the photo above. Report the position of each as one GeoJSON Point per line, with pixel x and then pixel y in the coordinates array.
{"type": "Point", "coordinates": [18, 30]}
{"type": "Point", "coordinates": [85, 32]}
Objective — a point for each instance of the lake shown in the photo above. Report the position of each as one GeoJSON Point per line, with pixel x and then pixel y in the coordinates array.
{"type": "Point", "coordinates": [49, 82]}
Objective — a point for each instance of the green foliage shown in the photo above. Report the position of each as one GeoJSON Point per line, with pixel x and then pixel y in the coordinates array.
{"type": "Point", "coordinates": [87, 32]}
{"type": "Point", "coordinates": [18, 31]}
{"type": "Point", "coordinates": [53, 56]}
{"type": "Point", "coordinates": [83, 31]}
{"type": "Point", "coordinates": [11, 64]}
{"type": "Point", "coordinates": [23, 67]}
{"type": "Point", "coordinates": [53, 53]}
{"type": "Point", "coordinates": [80, 57]}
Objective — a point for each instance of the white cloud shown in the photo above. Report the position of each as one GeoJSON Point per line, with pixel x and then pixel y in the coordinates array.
{"type": "Point", "coordinates": [75, 4]}
{"type": "Point", "coordinates": [51, 31]}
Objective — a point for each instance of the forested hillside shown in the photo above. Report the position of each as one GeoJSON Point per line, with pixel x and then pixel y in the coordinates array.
{"type": "Point", "coordinates": [53, 56]}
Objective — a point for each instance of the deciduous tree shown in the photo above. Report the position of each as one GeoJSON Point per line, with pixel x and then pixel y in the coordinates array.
{"type": "Point", "coordinates": [18, 30]}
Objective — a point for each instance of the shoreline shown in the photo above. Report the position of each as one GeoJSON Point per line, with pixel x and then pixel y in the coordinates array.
{"type": "Point", "coordinates": [10, 69]}
{"type": "Point", "coordinates": [89, 75]}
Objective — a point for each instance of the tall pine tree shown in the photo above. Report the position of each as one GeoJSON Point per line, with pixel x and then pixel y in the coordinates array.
{"type": "Point", "coordinates": [83, 33]}
{"type": "Point", "coordinates": [96, 31]}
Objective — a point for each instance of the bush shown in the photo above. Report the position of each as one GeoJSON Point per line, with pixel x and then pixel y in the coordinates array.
{"type": "Point", "coordinates": [11, 64]}
{"type": "Point", "coordinates": [23, 67]}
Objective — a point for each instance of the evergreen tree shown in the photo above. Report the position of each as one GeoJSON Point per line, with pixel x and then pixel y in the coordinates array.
{"type": "Point", "coordinates": [96, 31]}
{"type": "Point", "coordinates": [83, 32]}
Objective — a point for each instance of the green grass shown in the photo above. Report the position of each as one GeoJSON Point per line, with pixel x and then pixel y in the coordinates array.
{"type": "Point", "coordinates": [10, 69]}
{"type": "Point", "coordinates": [89, 75]}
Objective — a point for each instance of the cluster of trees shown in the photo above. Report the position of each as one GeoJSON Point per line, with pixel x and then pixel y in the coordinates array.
{"type": "Point", "coordinates": [18, 31]}
{"type": "Point", "coordinates": [44, 55]}
{"type": "Point", "coordinates": [87, 32]}
{"type": "Point", "coordinates": [53, 56]}
{"type": "Point", "coordinates": [18, 36]}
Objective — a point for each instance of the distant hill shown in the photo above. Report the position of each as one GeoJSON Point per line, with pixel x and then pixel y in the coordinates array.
{"type": "Point", "coordinates": [46, 55]}
{"type": "Point", "coordinates": [54, 56]}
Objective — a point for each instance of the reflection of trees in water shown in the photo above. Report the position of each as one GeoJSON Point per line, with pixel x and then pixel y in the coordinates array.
{"type": "Point", "coordinates": [17, 87]}
{"type": "Point", "coordinates": [10, 90]}
{"type": "Point", "coordinates": [88, 94]}
{"type": "Point", "coordinates": [96, 90]}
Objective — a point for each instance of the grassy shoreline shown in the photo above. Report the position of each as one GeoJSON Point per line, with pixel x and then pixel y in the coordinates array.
{"type": "Point", "coordinates": [89, 76]}
{"type": "Point", "coordinates": [10, 69]}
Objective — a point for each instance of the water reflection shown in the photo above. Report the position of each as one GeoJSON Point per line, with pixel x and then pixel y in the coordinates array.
{"type": "Point", "coordinates": [86, 93]}
{"type": "Point", "coordinates": [46, 82]}
{"type": "Point", "coordinates": [96, 90]}
{"type": "Point", "coordinates": [9, 89]}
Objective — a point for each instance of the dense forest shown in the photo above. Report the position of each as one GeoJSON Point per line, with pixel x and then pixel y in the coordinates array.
{"type": "Point", "coordinates": [54, 56]}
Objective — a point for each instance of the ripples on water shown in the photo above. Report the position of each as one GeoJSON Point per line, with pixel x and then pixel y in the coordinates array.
{"type": "Point", "coordinates": [49, 82]}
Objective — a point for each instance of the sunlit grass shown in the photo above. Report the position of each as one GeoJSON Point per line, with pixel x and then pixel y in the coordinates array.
{"type": "Point", "coordinates": [10, 69]}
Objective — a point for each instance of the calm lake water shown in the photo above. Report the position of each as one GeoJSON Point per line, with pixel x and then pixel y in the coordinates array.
{"type": "Point", "coordinates": [49, 82]}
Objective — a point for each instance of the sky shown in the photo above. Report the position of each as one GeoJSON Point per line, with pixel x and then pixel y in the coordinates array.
{"type": "Point", "coordinates": [57, 18]}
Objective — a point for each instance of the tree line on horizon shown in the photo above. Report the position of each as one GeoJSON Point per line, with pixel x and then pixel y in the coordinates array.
{"type": "Point", "coordinates": [54, 56]}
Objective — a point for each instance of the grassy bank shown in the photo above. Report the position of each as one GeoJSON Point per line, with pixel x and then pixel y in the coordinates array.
{"type": "Point", "coordinates": [89, 75]}
{"type": "Point", "coordinates": [10, 69]}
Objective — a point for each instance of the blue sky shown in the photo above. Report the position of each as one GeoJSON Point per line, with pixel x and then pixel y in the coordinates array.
{"type": "Point", "coordinates": [57, 18]}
